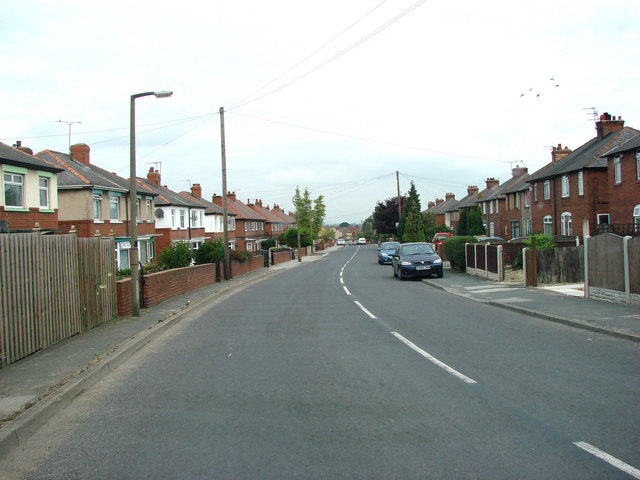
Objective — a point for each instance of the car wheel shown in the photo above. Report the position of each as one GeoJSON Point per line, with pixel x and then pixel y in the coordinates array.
{"type": "Point", "coordinates": [394, 272]}
{"type": "Point", "coordinates": [379, 262]}
{"type": "Point", "coordinates": [440, 275]}
{"type": "Point", "coordinates": [400, 276]}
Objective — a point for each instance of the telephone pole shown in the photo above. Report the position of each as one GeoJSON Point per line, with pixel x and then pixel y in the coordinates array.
{"type": "Point", "coordinates": [225, 212]}
{"type": "Point", "coordinates": [399, 200]}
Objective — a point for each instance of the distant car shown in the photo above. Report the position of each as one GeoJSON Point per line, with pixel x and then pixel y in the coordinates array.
{"type": "Point", "coordinates": [362, 241]}
{"type": "Point", "coordinates": [340, 243]}
{"type": "Point", "coordinates": [417, 259]}
{"type": "Point", "coordinates": [385, 251]}
{"type": "Point", "coordinates": [440, 237]}
{"type": "Point", "coordinates": [491, 240]}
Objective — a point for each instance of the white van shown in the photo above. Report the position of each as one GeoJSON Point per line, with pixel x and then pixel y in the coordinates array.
{"type": "Point", "coordinates": [362, 241]}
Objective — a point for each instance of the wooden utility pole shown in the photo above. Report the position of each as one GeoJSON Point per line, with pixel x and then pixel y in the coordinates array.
{"type": "Point", "coordinates": [399, 200]}
{"type": "Point", "coordinates": [225, 213]}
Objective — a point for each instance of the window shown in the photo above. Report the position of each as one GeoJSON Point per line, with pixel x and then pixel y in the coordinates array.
{"type": "Point", "coordinates": [603, 218]}
{"type": "Point", "coordinates": [565, 224]}
{"type": "Point", "coordinates": [491, 206]}
{"type": "Point", "coordinates": [114, 208]}
{"type": "Point", "coordinates": [527, 227]}
{"type": "Point", "coordinates": [249, 246]}
{"type": "Point", "coordinates": [547, 225]}
{"type": "Point", "coordinates": [617, 170]}
{"type": "Point", "coordinates": [535, 192]}
{"type": "Point", "coordinates": [13, 196]}
{"type": "Point", "coordinates": [182, 218]}
{"type": "Point", "coordinates": [515, 229]}
{"type": "Point", "coordinates": [581, 183]}
{"type": "Point", "coordinates": [527, 196]}
{"type": "Point", "coordinates": [492, 229]}
{"type": "Point", "coordinates": [546, 190]}
{"type": "Point", "coordinates": [638, 164]}
{"type": "Point", "coordinates": [149, 209]}
{"type": "Point", "coordinates": [138, 216]}
{"type": "Point", "coordinates": [517, 200]}
{"type": "Point", "coordinates": [173, 218]}
{"type": "Point", "coordinates": [564, 186]}
{"type": "Point", "coordinates": [44, 192]}
{"type": "Point", "coordinates": [97, 207]}
{"type": "Point", "coordinates": [484, 208]}
{"type": "Point", "coordinates": [496, 206]}
{"type": "Point", "coordinates": [636, 217]}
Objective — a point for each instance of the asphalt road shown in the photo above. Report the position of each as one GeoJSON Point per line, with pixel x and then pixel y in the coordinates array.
{"type": "Point", "coordinates": [338, 370]}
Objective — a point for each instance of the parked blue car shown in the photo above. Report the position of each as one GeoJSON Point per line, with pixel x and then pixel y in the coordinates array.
{"type": "Point", "coordinates": [385, 251]}
{"type": "Point", "coordinates": [417, 259]}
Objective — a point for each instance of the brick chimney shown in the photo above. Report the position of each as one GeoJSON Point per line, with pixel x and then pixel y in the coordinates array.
{"type": "Point", "coordinates": [518, 171]}
{"type": "Point", "coordinates": [492, 182]}
{"type": "Point", "coordinates": [80, 153]}
{"type": "Point", "coordinates": [472, 190]}
{"type": "Point", "coordinates": [608, 124]}
{"type": "Point", "coordinates": [449, 196]}
{"type": "Point", "coordinates": [231, 196]}
{"type": "Point", "coordinates": [258, 203]}
{"type": "Point", "coordinates": [430, 205]}
{"type": "Point", "coordinates": [439, 201]}
{"type": "Point", "coordinates": [19, 146]}
{"type": "Point", "coordinates": [154, 177]}
{"type": "Point", "coordinates": [216, 199]}
{"type": "Point", "coordinates": [559, 152]}
{"type": "Point", "coordinates": [196, 190]}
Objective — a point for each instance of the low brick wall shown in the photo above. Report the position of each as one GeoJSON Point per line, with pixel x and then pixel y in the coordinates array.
{"type": "Point", "coordinates": [281, 257]}
{"type": "Point", "coordinates": [254, 263]}
{"type": "Point", "coordinates": [163, 285]}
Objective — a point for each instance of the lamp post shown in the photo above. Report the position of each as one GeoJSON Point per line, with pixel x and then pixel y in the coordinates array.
{"type": "Point", "coordinates": [133, 207]}
{"type": "Point", "coordinates": [295, 202]}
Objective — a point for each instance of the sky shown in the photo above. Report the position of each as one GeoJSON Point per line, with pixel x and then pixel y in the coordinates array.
{"type": "Point", "coordinates": [333, 96]}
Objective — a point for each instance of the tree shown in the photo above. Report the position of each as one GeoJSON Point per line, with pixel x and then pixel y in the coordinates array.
{"type": "Point", "coordinates": [385, 216]}
{"type": "Point", "coordinates": [413, 229]}
{"type": "Point", "coordinates": [474, 221]}
{"type": "Point", "coordinates": [462, 222]}
{"type": "Point", "coordinates": [344, 225]}
{"type": "Point", "coordinates": [291, 237]}
{"type": "Point", "coordinates": [367, 228]}
{"type": "Point", "coordinates": [412, 198]}
{"type": "Point", "coordinates": [319, 212]}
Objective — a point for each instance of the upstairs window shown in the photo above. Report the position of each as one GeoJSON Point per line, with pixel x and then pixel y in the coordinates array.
{"type": "Point", "coordinates": [564, 186]}
{"type": "Point", "coordinates": [149, 209]}
{"type": "Point", "coordinates": [114, 208]}
{"type": "Point", "coordinates": [97, 207]}
{"type": "Point", "coordinates": [535, 192]}
{"type": "Point", "coordinates": [546, 190]}
{"type": "Point", "coordinates": [617, 169]}
{"type": "Point", "coordinates": [43, 188]}
{"type": "Point", "coordinates": [580, 183]}
{"type": "Point", "coordinates": [638, 164]}
{"type": "Point", "coordinates": [13, 190]}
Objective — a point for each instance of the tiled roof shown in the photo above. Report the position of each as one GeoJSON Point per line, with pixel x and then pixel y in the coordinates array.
{"type": "Point", "coordinates": [78, 175]}
{"type": "Point", "coordinates": [167, 197]}
{"type": "Point", "coordinates": [212, 208]}
{"type": "Point", "coordinates": [18, 158]}
{"type": "Point", "coordinates": [630, 144]}
{"type": "Point", "coordinates": [444, 207]}
{"type": "Point", "coordinates": [588, 155]}
{"type": "Point", "coordinates": [506, 187]}
{"type": "Point", "coordinates": [242, 211]}
{"type": "Point", "coordinates": [268, 214]}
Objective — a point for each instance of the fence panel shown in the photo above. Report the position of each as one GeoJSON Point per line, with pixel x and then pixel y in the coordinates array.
{"type": "Point", "coordinates": [634, 265]}
{"type": "Point", "coordinates": [606, 262]}
{"type": "Point", "coordinates": [492, 258]}
{"type": "Point", "coordinates": [560, 265]}
{"type": "Point", "coordinates": [52, 287]}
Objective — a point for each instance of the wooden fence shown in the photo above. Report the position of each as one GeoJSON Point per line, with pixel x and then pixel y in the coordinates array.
{"type": "Point", "coordinates": [484, 260]}
{"type": "Point", "coordinates": [52, 287]}
{"type": "Point", "coordinates": [612, 267]}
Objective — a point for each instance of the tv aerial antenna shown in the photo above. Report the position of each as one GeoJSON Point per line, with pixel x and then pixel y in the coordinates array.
{"type": "Point", "coordinates": [158, 167]}
{"type": "Point", "coordinates": [592, 112]}
{"type": "Point", "coordinates": [69, 123]}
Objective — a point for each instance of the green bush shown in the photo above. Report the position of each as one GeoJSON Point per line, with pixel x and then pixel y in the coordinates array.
{"type": "Point", "coordinates": [123, 273]}
{"type": "Point", "coordinates": [240, 255]}
{"type": "Point", "coordinates": [176, 255]}
{"type": "Point", "coordinates": [543, 241]}
{"type": "Point", "coordinates": [210, 252]}
{"type": "Point", "coordinates": [151, 268]}
{"type": "Point", "coordinates": [267, 244]}
{"type": "Point", "coordinates": [454, 250]}
{"type": "Point", "coordinates": [291, 238]}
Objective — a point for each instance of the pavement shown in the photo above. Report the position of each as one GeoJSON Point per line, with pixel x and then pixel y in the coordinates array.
{"type": "Point", "coordinates": [35, 388]}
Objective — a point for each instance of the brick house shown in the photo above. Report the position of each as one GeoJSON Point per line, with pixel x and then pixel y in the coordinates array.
{"type": "Point", "coordinates": [213, 217]}
{"type": "Point", "coordinates": [518, 208]}
{"type": "Point", "coordinates": [96, 202]}
{"type": "Point", "coordinates": [177, 218]}
{"type": "Point", "coordinates": [623, 182]}
{"type": "Point", "coordinates": [275, 225]}
{"type": "Point", "coordinates": [250, 225]}
{"type": "Point", "coordinates": [501, 207]}
{"type": "Point", "coordinates": [574, 186]}
{"type": "Point", "coordinates": [444, 210]}
{"type": "Point", "coordinates": [29, 190]}
{"type": "Point", "coordinates": [473, 198]}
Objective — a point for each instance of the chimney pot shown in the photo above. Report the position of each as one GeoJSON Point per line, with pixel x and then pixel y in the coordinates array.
{"type": "Point", "coordinates": [154, 177]}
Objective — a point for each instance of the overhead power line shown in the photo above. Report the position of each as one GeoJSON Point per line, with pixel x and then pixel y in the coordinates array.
{"type": "Point", "coordinates": [336, 56]}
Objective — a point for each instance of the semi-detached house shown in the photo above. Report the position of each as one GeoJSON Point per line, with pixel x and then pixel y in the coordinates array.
{"type": "Point", "coordinates": [250, 225]}
{"type": "Point", "coordinates": [29, 190]}
{"type": "Point", "coordinates": [96, 202]}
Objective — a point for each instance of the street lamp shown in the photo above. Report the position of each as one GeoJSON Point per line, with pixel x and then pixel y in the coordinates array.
{"type": "Point", "coordinates": [133, 220]}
